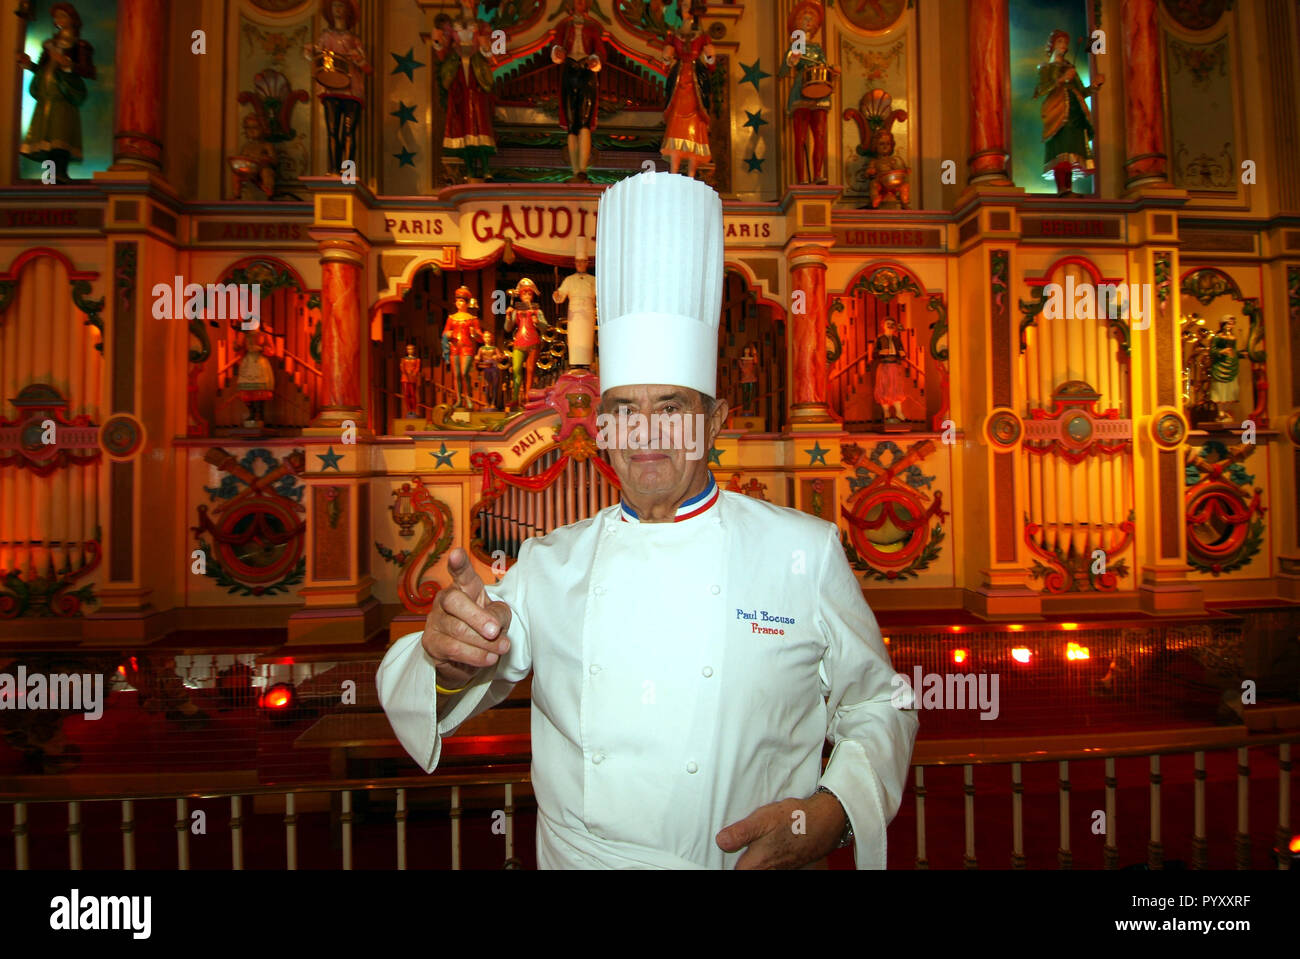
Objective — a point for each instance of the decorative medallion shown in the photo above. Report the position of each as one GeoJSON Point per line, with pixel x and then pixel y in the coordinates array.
{"type": "Point", "coordinates": [1224, 513]}
{"type": "Point", "coordinates": [1074, 429]}
{"type": "Point", "coordinates": [1196, 14]}
{"type": "Point", "coordinates": [872, 16]}
{"type": "Point", "coordinates": [122, 436]}
{"type": "Point", "coordinates": [889, 511]}
{"type": "Point", "coordinates": [1168, 429]}
{"type": "Point", "coordinates": [1003, 429]}
{"type": "Point", "coordinates": [42, 438]}
{"type": "Point", "coordinates": [252, 540]}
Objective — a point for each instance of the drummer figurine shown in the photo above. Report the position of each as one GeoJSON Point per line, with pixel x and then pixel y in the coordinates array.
{"type": "Point", "coordinates": [526, 321]}
{"type": "Point", "coordinates": [339, 62]}
{"type": "Point", "coordinates": [810, 93]}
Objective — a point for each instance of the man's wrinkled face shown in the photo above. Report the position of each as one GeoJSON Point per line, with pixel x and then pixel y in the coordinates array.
{"type": "Point", "coordinates": [665, 457]}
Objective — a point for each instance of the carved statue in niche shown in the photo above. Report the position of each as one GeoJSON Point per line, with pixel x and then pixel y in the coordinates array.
{"type": "Point", "coordinates": [463, 44]}
{"type": "Point", "coordinates": [1224, 368]}
{"type": "Point", "coordinates": [748, 364]}
{"type": "Point", "coordinates": [526, 322]}
{"type": "Point", "coordinates": [339, 62]}
{"type": "Point", "coordinates": [887, 175]}
{"type": "Point", "coordinates": [410, 367]}
{"type": "Point", "coordinates": [1196, 369]}
{"type": "Point", "coordinates": [578, 47]}
{"type": "Point", "coordinates": [888, 358]}
{"type": "Point", "coordinates": [59, 89]}
{"type": "Point", "coordinates": [686, 130]}
{"type": "Point", "coordinates": [256, 162]}
{"type": "Point", "coordinates": [255, 378]}
{"type": "Point", "coordinates": [809, 103]}
{"type": "Point", "coordinates": [491, 363]}
{"type": "Point", "coordinates": [461, 331]}
{"type": "Point", "coordinates": [1067, 121]}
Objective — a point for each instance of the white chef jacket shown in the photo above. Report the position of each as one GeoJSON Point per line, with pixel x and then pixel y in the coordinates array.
{"type": "Point", "coordinates": [684, 675]}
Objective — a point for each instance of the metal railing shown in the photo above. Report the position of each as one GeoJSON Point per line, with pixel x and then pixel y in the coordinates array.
{"type": "Point", "coordinates": [928, 755]}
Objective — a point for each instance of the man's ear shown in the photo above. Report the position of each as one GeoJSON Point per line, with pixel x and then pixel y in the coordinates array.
{"type": "Point", "coordinates": [718, 418]}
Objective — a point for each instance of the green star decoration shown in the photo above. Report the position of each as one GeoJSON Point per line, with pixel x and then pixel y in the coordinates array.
{"type": "Point", "coordinates": [753, 73]}
{"type": "Point", "coordinates": [329, 460]}
{"type": "Point", "coordinates": [715, 456]}
{"type": "Point", "coordinates": [405, 113]}
{"type": "Point", "coordinates": [406, 64]}
{"type": "Point", "coordinates": [817, 454]}
{"type": "Point", "coordinates": [443, 456]}
{"type": "Point", "coordinates": [754, 164]}
{"type": "Point", "coordinates": [755, 119]}
{"type": "Point", "coordinates": [405, 158]}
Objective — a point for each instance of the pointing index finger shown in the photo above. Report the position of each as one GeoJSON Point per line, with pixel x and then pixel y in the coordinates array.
{"type": "Point", "coordinates": [462, 571]}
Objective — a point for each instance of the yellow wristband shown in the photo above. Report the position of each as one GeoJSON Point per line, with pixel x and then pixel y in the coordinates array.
{"type": "Point", "coordinates": [450, 692]}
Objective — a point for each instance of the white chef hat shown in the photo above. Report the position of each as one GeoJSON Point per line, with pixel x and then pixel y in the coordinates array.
{"type": "Point", "coordinates": [659, 266]}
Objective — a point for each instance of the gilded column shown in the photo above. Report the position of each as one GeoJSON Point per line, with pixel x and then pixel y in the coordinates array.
{"type": "Point", "coordinates": [139, 97]}
{"type": "Point", "coordinates": [342, 266]}
{"type": "Point", "coordinates": [989, 38]}
{"type": "Point", "coordinates": [1144, 111]}
{"type": "Point", "coordinates": [808, 326]}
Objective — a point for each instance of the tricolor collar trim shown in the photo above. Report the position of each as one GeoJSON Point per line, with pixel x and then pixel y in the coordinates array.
{"type": "Point", "coordinates": [694, 506]}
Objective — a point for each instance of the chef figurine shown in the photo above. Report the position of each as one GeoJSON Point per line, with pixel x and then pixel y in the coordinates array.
{"type": "Point", "coordinates": [525, 321]}
{"type": "Point", "coordinates": [685, 679]}
{"type": "Point", "coordinates": [579, 289]}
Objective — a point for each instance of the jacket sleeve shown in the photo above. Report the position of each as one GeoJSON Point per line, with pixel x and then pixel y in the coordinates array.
{"type": "Point", "coordinates": [872, 737]}
{"type": "Point", "coordinates": [406, 680]}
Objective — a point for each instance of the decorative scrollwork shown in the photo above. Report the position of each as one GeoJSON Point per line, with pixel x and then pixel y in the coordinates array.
{"type": "Point", "coordinates": [1208, 284]}
{"type": "Point", "coordinates": [885, 283]}
{"type": "Point", "coordinates": [81, 291]}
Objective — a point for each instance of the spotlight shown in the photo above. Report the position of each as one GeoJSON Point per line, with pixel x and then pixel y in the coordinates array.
{"type": "Point", "coordinates": [1070, 626]}
{"type": "Point", "coordinates": [960, 655]}
{"type": "Point", "coordinates": [1020, 654]}
{"type": "Point", "coordinates": [279, 698]}
{"type": "Point", "coordinates": [1074, 652]}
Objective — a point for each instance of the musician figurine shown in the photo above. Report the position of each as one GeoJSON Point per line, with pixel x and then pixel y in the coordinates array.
{"type": "Point", "coordinates": [338, 67]}
{"type": "Point", "coordinates": [578, 45]}
{"type": "Point", "coordinates": [525, 321]}
{"type": "Point", "coordinates": [579, 289]}
{"type": "Point", "coordinates": [888, 358]}
{"type": "Point", "coordinates": [410, 366]}
{"type": "Point", "coordinates": [488, 361]}
{"type": "Point", "coordinates": [256, 162]}
{"type": "Point", "coordinates": [810, 94]}
{"type": "Point", "coordinates": [462, 330]}
{"type": "Point", "coordinates": [255, 376]}
{"type": "Point", "coordinates": [748, 363]}
{"type": "Point", "coordinates": [59, 89]}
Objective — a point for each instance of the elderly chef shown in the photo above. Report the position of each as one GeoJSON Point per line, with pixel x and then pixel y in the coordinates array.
{"type": "Point", "coordinates": [691, 648]}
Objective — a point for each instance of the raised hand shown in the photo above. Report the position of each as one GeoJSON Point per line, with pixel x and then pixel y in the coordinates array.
{"type": "Point", "coordinates": [465, 631]}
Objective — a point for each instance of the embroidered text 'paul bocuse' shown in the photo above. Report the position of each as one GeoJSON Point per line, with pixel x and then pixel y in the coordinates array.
{"type": "Point", "coordinates": [757, 616]}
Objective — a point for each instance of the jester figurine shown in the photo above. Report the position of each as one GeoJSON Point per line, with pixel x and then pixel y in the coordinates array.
{"type": "Point", "coordinates": [1067, 122]}
{"type": "Point", "coordinates": [526, 321]}
{"type": "Point", "coordinates": [461, 331]}
{"type": "Point", "coordinates": [464, 46]}
{"type": "Point", "coordinates": [59, 89]}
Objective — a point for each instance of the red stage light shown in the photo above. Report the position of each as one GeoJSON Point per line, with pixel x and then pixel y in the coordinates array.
{"type": "Point", "coordinates": [279, 696]}
{"type": "Point", "coordinates": [1015, 627]}
{"type": "Point", "coordinates": [1069, 625]}
{"type": "Point", "coordinates": [959, 655]}
{"type": "Point", "coordinates": [1020, 654]}
{"type": "Point", "coordinates": [955, 629]}
{"type": "Point", "coordinates": [1295, 844]}
{"type": "Point", "coordinates": [1073, 651]}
